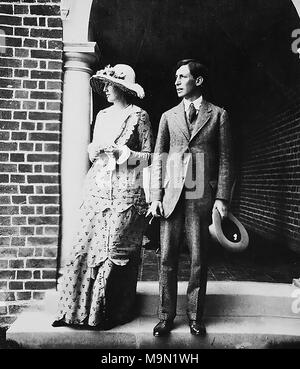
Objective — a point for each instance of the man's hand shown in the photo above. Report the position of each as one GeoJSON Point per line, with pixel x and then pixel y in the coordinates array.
{"type": "Point", "coordinates": [121, 153]}
{"type": "Point", "coordinates": [156, 209]}
{"type": "Point", "coordinates": [117, 152]}
{"type": "Point", "coordinates": [222, 207]}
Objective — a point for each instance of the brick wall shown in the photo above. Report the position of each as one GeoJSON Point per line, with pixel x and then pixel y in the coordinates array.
{"type": "Point", "coordinates": [30, 124]}
{"type": "Point", "coordinates": [267, 196]}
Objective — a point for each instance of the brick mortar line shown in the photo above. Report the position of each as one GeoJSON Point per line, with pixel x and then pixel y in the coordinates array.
{"type": "Point", "coordinates": [34, 58]}
{"type": "Point", "coordinates": [27, 173]}
{"type": "Point", "coordinates": [32, 131]}
{"type": "Point", "coordinates": [251, 202]}
{"type": "Point", "coordinates": [29, 270]}
{"type": "Point", "coordinates": [21, 120]}
{"type": "Point", "coordinates": [21, 109]}
{"type": "Point", "coordinates": [266, 219]}
{"type": "Point", "coordinates": [43, 151]}
{"type": "Point", "coordinates": [29, 36]}
{"type": "Point", "coordinates": [33, 279]}
{"type": "Point", "coordinates": [27, 99]}
{"type": "Point", "coordinates": [27, 163]}
{"type": "Point", "coordinates": [44, 269]}
{"type": "Point", "coordinates": [32, 38]}
{"type": "Point", "coordinates": [33, 48]}
{"type": "Point", "coordinates": [31, 111]}
{"type": "Point", "coordinates": [36, 2]}
{"type": "Point", "coordinates": [31, 121]}
{"type": "Point", "coordinates": [30, 69]}
{"type": "Point", "coordinates": [18, 120]}
{"type": "Point", "coordinates": [18, 89]}
{"type": "Point", "coordinates": [32, 80]}
{"type": "Point", "coordinates": [29, 15]}
{"type": "Point", "coordinates": [31, 100]}
{"type": "Point", "coordinates": [37, 90]}
{"type": "Point", "coordinates": [267, 226]}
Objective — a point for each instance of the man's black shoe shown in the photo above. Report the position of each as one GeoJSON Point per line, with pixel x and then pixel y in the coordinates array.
{"type": "Point", "coordinates": [197, 328]}
{"type": "Point", "coordinates": [163, 328]}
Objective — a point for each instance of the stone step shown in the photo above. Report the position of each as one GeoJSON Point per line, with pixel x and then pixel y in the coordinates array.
{"type": "Point", "coordinates": [224, 298]}
{"type": "Point", "coordinates": [33, 330]}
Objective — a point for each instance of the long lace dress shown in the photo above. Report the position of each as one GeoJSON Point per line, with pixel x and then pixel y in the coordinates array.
{"type": "Point", "coordinates": [98, 287]}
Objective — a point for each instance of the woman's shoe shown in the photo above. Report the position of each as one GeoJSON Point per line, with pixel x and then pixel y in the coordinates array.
{"type": "Point", "coordinates": [59, 323]}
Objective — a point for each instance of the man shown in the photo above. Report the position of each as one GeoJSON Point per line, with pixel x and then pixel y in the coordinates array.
{"type": "Point", "coordinates": [191, 175]}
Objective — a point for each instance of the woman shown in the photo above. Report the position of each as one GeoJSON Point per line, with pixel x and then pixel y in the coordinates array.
{"type": "Point", "coordinates": [99, 285]}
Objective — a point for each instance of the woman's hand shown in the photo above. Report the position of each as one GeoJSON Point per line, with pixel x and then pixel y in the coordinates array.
{"type": "Point", "coordinates": [94, 151]}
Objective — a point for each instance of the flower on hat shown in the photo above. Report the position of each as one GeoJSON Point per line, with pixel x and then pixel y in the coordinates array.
{"type": "Point", "coordinates": [121, 75]}
{"type": "Point", "coordinates": [110, 71]}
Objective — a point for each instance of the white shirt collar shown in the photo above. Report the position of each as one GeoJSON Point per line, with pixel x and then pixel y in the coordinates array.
{"type": "Point", "coordinates": [196, 103]}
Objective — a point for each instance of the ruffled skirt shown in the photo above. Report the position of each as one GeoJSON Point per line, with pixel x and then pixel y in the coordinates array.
{"type": "Point", "coordinates": [99, 281]}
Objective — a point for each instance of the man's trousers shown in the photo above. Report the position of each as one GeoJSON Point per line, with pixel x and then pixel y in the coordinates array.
{"type": "Point", "coordinates": [188, 216]}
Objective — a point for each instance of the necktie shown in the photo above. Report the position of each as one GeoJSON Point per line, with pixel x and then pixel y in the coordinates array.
{"type": "Point", "coordinates": [192, 113]}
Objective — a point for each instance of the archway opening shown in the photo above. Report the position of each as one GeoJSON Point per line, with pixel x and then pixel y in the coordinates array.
{"type": "Point", "coordinates": [247, 48]}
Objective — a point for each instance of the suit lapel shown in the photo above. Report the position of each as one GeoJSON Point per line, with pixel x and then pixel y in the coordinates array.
{"type": "Point", "coordinates": [180, 120]}
{"type": "Point", "coordinates": [202, 117]}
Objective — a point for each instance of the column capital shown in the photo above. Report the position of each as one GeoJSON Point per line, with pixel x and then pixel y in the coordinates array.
{"type": "Point", "coordinates": [80, 56]}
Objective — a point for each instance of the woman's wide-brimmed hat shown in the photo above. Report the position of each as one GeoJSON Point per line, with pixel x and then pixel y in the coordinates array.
{"type": "Point", "coordinates": [229, 232]}
{"type": "Point", "coordinates": [121, 75]}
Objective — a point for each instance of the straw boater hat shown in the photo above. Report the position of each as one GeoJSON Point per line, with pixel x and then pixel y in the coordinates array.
{"type": "Point", "coordinates": [229, 232]}
{"type": "Point", "coordinates": [121, 75]}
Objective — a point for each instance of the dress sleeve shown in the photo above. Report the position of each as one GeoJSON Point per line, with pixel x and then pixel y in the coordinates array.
{"type": "Point", "coordinates": [146, 139]}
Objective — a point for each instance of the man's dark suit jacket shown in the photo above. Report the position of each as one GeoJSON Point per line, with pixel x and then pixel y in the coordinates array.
{"type": "Point", "coordinates": [209, 143]}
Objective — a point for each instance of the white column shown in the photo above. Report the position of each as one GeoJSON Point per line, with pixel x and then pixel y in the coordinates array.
{"type": "Point", "coordinates": [76, 120]}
